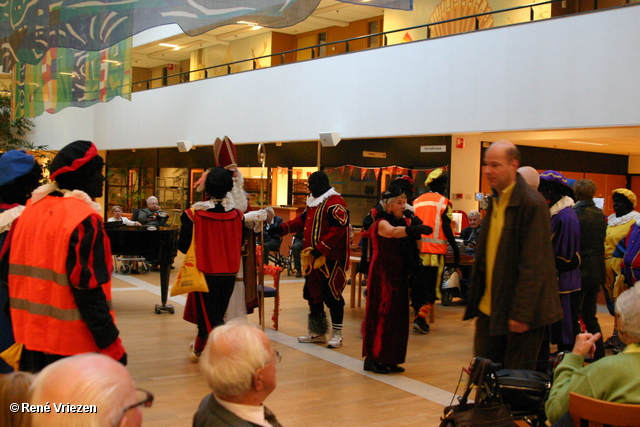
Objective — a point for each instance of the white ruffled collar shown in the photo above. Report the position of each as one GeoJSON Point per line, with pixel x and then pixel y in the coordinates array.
{"type": "Point", "coordinates": [565, 202]}
{"type": "Point", "coordinates": [312, 202]}
{"type": "Point", "coordinates": [614, 220]}
{"type": "Point", "coordinates": [46, 189]}
{"type": "Point", "coordinates": [227, 204]}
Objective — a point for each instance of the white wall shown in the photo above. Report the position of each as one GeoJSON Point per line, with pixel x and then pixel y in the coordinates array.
{"type": "Point", "coordinates": [571, 72]}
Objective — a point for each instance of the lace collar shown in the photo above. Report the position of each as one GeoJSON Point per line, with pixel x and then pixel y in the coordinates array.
{"type": "Point", "coordinates": [565, 202]}
{"type": "Point", "coordinates": [227, 204]}
{"type": "Point", "coordinates": [614, 220]}
{"type": "Point", "coordinates": [46, 189]}
{"type": "Point", "coordinates": [312, 202]}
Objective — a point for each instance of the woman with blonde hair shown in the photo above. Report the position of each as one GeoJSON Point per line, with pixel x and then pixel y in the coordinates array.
{"type": "Point", "coordinates": [612, 378]}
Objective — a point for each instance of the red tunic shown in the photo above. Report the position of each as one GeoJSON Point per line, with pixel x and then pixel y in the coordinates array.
{"type": "Point", "coordinates": [326, 228]}
{"type": "Point", "coordinates": [218, 241]}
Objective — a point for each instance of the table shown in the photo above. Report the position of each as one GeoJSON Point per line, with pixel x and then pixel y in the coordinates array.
{"type": "Point", "coordinates": [356, 281]}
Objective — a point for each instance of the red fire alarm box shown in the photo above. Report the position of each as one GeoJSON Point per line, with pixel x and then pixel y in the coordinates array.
{"type": "Point", "coordinates": [459, 142]}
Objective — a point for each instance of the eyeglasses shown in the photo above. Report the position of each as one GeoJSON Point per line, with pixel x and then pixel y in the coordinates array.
{"type": "Point", "coordinates": [277, 356]}
{"type": "Point", "coordinates": [143, 397]}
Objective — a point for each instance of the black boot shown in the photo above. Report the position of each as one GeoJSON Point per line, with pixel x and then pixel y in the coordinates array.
{"type": "Point", "coordinates": [375, 367]}
{"type": "Point", "coordinates": [394, 368]}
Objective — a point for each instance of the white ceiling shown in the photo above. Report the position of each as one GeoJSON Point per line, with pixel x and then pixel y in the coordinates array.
{"type": "Point", "coordinates": [329, 13]}
{"type": "Point", "coordinates": [621, 140]}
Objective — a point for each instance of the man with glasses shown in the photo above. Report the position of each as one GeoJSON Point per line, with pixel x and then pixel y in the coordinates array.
{"type": "Point", "coordinates": [94, 384]}
{"type": "Point", "coordinates": [240, 367]}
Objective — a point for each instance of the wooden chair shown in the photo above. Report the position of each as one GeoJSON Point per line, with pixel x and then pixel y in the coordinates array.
{"type": "Point", "coordinates": [269, 292]}
{"type": "Point", "coordinates": [586, 411]}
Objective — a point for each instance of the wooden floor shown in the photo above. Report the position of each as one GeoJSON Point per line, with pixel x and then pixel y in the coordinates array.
{"type": "Point", "coordinates": [317, 386]}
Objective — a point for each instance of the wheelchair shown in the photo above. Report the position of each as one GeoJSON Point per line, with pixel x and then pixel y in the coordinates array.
{"type": "Point", "coordinates": [286, 262]}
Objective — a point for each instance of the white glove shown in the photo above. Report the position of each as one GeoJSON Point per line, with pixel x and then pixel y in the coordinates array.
{"type": "Point", "coordinates": [7, 217]}
{"type": "Point", "coordinates": [253, 216]}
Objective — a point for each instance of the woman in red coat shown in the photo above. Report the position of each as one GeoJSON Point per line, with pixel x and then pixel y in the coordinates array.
{"type": "Point", "coordinates": [386, 329]}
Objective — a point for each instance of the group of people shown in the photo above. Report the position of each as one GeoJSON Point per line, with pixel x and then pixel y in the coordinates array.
{"type": "Point", "coordinates": [539, 265]}
{"type": "Point", "coordinates": [539, 262]}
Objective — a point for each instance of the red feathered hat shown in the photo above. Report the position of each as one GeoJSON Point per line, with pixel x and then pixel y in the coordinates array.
{"type": "Point", "coordinates": [225, 153]}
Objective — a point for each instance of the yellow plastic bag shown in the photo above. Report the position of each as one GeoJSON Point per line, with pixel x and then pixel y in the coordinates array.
{"type": "Point", "coordinates": [12, 355]}
{"type": "Point", "coordinates": [190, 279]}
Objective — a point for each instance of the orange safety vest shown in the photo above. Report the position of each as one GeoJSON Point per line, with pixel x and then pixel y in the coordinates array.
{"type": "Point", "coordinates": [429, 208]}
{"type": "Point", "coordinates": [44, 313]}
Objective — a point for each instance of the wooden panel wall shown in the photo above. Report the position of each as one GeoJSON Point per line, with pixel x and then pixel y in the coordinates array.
{"type": "Point", "coordinates": [608, 171]}
{"type": "Point", "coordinates": [281, 42]}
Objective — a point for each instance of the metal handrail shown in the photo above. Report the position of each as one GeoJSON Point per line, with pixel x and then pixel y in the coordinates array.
{"type": "Point", "coordinates": [313, 48]}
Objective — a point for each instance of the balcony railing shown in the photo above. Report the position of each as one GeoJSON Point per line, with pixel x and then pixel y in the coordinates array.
{"type": "Point", "coordinates": [226, 68]}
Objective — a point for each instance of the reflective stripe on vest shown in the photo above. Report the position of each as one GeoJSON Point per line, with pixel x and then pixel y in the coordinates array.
{"type": "Point", "coordinates": [43, 310]}
{"type": "Point", "coordinates": [429, 208]}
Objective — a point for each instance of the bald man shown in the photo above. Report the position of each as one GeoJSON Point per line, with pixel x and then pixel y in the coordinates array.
{"type": "Point", "coordinates": [530, 175]}
{"type": "Point", "coordinates": [513, 293]}
{"type": "Point", "coordinates": [99, 390]}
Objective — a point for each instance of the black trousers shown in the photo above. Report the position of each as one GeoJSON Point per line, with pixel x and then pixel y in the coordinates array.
{"type": "Point", "coordinates": [213, 305]}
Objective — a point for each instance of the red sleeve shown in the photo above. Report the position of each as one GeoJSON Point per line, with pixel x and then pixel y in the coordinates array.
{"type": "Point", "coordinates": [295, 225]}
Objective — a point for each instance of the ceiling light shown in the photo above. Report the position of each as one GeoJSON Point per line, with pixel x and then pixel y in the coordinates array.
{"type": "Point", "coordinates": [256, 27]}
{"type": "Point", "coordinates": [253, 24]}
{"type": "Point", "coordinates": [585, 143]}
{"type": "Point", "coordinates": [174, 46]}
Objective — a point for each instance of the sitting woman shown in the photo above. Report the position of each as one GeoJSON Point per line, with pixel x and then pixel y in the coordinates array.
{"type": "Point", "coordinates": [116, 215]}
{"type": "Point", "coordinates": [611, 378]}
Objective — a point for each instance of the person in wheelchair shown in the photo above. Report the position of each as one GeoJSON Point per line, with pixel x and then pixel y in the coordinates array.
{"type": "Point", "coordinates": [612, 378]}
{"type": "Point", "coordinates": [271, 242]}
{"type": "Point", "coordinates": [296, 248]}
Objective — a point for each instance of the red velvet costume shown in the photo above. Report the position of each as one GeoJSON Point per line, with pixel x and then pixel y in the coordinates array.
{"type": "Point", "coordinates": [386, 329]}
{"type": "Point", "coordinates": [326, 228]}
{"type": "Point", "coordinates": [218, 252]}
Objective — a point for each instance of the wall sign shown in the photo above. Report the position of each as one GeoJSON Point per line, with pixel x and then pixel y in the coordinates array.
{"type": "Point", "coordinates": [374, 154]}
{"type": "Point", "coordinates": [433, 148]}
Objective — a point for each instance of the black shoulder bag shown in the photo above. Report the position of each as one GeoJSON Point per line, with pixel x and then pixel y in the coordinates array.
{"type": "Point", "coordinates": [487, 408]}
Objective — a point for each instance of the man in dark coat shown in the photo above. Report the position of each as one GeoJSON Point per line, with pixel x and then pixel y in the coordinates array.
{"type": "Point", "coordinates": [593, 228]}
{"type": "Point", "coordinates": [514, 291]}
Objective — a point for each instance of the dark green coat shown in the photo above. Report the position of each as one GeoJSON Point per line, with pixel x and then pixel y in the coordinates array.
{"type": "Point", "coordinates": [524, 276]}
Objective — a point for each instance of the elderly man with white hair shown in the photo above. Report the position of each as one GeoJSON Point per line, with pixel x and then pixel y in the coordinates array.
{"type": "Point", "coordinates": [87, 390]}
{"type": "Point", "coordinates": [240, 367]}
{"type": "Point", "coordinates": [271, 243]}
{"type": "Point", "coordinates": [612, 378]}
{"type": "Point", "coordinates": [152, 215]}
{"type": "Point", "coordinates": [470, 234]}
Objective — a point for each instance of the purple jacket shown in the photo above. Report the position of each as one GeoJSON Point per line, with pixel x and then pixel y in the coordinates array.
{"type": "Point", "coordinates": [565, 236]}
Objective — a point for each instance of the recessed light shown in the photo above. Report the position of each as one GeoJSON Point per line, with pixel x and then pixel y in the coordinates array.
{"type": "Point", "coordinates": [586, 143]}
